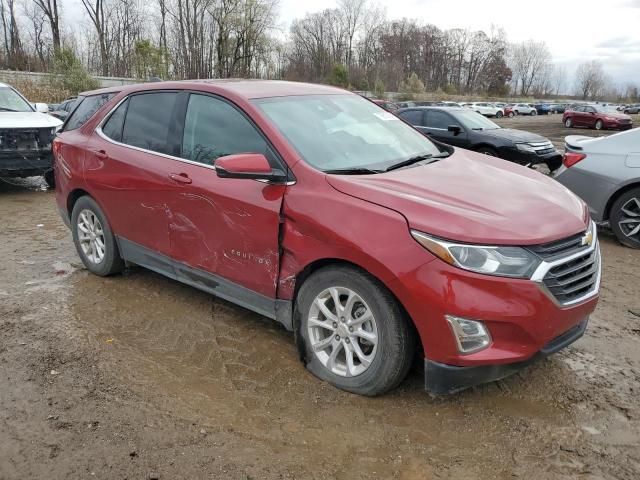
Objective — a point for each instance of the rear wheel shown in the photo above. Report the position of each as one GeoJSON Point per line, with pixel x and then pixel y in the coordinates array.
{"type": "Point", "coordinates": [499, 115]}
{"type": "Point", "coordinates": [568, 123]}
{"type": "Point", "coordinates": [94, 239]}
{"type": "Point", "coordinates": [511, 114]}
{"type": "Point", "coordinates": [354, 333]}
{"type": "Point", "coordinates": [625, 218]}
{"type": "Point", "coordinates": [599, 125]}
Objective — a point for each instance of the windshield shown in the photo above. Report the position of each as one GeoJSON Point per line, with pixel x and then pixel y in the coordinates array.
{"type": "Point", "coordinates": [336, 132]}
{"type": "Point", "coordinates": [474, 121]}
{"type": "Point", "coordinates": [12, 102]}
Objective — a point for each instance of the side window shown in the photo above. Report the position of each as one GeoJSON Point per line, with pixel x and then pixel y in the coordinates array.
{"type": "Point", "coordinates": [113, 126]}
{"type": "Point", "coordinates": [213, 129]}
{"type": "Point", "coordinates": [149, 117]}
{"type": "Point", "coordinates": [438, 119]}
{"type": "Point", "coordinates": [590, 110]}
{"type": "Point", "coordinates": [414, 117]}
{"type": "Point", "coordinates": [85, 110]}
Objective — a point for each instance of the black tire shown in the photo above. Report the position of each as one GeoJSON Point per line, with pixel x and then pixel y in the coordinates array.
{"type": "Point", "coordinates": [568, 123]}
{"type": "Point", "coordinates": [533, 113]}
{"type": "Point", "coordinates": [626, 112]}
{"type": "Point", "coordinates": [511, 114]}
{"type": "Point", "coordinates": [487, 151]}
{"type": "Point", "coordinates": [616, 215]}
{"type": "Point", "coordinates": [499, 115]}
{"type": "Point", "coordinates": [112, 262]}
{"type": "Point", "coordinates": [396, 340]}
{"type": "Point", "coordinates": [599, 125]}
{"type": "Point", "coordinates": [50, 178]}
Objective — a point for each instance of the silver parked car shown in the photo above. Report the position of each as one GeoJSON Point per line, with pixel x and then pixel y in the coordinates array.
{"type": "Point", "coordinates": [605, 173]}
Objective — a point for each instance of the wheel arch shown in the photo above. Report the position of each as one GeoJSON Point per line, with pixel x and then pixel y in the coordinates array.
{"type": "Point", "coordinates": [617, 194]}
{"type": "Point", "coordinates": [321, 263]}
{"type": "Point", "coordinates": [74, 196]}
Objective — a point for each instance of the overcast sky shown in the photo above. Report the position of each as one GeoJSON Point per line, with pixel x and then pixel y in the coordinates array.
{"type": "Point", "coordinates": [574, 30]}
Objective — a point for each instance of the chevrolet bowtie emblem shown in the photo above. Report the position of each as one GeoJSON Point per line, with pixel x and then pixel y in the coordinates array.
{"type": "Point", "coordinates": [587, 239]}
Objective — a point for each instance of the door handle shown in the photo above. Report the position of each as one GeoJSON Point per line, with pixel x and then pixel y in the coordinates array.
{"type": "Point", "coordinates": [101, 154]}
{"type": "Point", "coordinates": [180, 178]}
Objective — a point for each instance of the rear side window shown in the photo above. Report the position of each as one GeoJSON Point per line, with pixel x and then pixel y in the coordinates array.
{"type": "Point", "coordinates": [437, 119]}
{"type": "Point", "coordinates": [86, 108]}
{"type": "Point", "coordinates": [148, 120]}
{"type": "Point", "coordinates": [213, 129]}
{"type": "Point", "coordinates": [414, 117]}
{"type": "Point", "coordinates": [113, 126]}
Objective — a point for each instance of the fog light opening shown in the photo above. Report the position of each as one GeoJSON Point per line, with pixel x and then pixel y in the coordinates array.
{"type": "Point", "coordinates": [470, 335]}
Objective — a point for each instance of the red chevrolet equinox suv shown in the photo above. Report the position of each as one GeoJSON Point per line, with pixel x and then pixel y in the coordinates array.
{"type": "Point", "coordinates": [317, 208]}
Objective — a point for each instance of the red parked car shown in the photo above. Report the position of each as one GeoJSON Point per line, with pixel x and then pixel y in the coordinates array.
{"type": "Point", "coordinates": [596, 116]}
{"type": "Point", "coordinates": [315, 207]}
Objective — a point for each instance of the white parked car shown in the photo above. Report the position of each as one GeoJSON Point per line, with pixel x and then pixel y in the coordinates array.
{"type": "Point", "coordinates": [26, 134]}
{"type": "Point", "coordinates": [486, 109]}
{"type": "Point", "coordinates": [523, 109]}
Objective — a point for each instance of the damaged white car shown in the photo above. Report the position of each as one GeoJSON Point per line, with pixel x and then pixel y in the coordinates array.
{"type": "Point", "coordinates": [26, 133]}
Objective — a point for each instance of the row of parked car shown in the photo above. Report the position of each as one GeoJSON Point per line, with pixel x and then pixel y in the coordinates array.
{"type": "Point", "coordinates": [489, 109]}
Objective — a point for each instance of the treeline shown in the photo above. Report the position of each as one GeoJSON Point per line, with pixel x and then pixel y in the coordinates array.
{"type": "Point", "coordinates": [353, 45]}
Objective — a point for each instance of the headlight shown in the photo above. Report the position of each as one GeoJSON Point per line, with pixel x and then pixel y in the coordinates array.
{"type": "Point", "coordinates": [502, 261]}
{"type": "Point", "coordinates": [524, 147]}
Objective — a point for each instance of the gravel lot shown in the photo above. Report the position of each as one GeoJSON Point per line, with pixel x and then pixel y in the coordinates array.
{"type": "Point", "coordinates": [137, 376]}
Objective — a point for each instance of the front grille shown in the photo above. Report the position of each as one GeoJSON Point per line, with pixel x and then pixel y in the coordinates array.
{"type": "Point", "coordinates": [625, 120]}
{"type": "Point", "coordinates": [542, 148]}
{"type": "Point", "coordinates": [25, 139]}
{"type": "Point", "coordinates": [561, 248]}
{"type": "Point", "coordinates": [573, 279]}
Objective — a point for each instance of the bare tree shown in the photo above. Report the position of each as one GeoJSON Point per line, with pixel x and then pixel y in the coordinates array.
{"type": "Point", "coordinates": [529, 61]}
{"type": "Point", "coordinates": [352, 13]}
{"type": "Point", "coordinates": [96, 11]}
{"type": "Point", "coordinates": [590, 79]}
{"type": "Point", "coordinates": [50, 10]}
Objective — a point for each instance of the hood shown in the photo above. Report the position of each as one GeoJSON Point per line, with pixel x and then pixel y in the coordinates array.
{"type": "Point", "coordinates": [619, 116]}
{"type": "Point", "coordinates": [27, 120]}
{"type": "Point", "coordinates": [514, 135]}
{"type": "Point", "coordinates": [474, 198]}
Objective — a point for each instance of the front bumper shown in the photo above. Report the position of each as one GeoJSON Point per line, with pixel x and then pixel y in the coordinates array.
{"type": "Point", "coordinates": [25, 163]}
{"type": "Point", "coordinates": [552, 159]}
{"type": "Point", "coordinates": [617, 125]}
{"type": "Point", "coordinates": [443, 379]}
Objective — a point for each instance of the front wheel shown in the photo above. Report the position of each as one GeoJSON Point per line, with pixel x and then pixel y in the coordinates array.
{"type": "Point", "coordinates": [625, 218]}
{"type": "Point", "coordinates": [487, 151]}
{"type": "Point", "coordinates": [599, 125]}
{"type": "Point", "coordinates": [94, 239]}
{"type": "Point", "coordinates": [533, 113]}
{"type": "Point", "coordinates": [511, 114]}
{"type": "Point", "coordinates": [499, 115]}
{"type": "Point", "coordinates": [355, 335]}
{"type": "Point", "coordinates": [568, 123]}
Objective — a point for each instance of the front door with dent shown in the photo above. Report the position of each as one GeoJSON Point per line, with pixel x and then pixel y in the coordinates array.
{"type": "Point", "coordinates": [226, 227]}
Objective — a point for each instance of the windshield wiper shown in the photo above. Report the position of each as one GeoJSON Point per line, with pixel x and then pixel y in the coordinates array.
{"type": "Point", "coordinates": [4, 109]}
{"type": "Point", "coordinates": [416, 159]}
{"type": "Point", "coordinates": [353, 171]}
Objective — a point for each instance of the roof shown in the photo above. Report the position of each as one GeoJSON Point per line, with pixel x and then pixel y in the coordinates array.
{"type": "Point", "coordinates": [242, 87]}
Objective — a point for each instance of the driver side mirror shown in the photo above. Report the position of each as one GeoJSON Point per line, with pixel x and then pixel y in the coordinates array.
{"type": "Point", "coordinates": [252, 166]}
{"type": "Point", "coordinates": [455, 129]}
{"type": "Point", "coordinates": [41, 107]}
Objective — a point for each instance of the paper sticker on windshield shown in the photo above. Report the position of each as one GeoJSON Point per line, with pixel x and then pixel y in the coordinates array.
{"type": "Point", "coordinates": [386, 116]}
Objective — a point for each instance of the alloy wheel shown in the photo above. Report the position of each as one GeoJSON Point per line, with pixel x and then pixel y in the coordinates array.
{"type": "Point", "coordinates": [342, 331]}
{"type": "Point", "coordinates": [91, 236]}
{"type": "Point", "coordinates": [630, 218]}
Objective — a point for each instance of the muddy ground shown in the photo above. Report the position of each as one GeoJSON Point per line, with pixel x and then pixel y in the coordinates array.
{"type": "Point", "coordinates": [137, 376]}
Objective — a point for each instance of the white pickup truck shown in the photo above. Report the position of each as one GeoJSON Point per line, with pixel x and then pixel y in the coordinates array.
{"type": "Point", "coordinates": [26, 133]}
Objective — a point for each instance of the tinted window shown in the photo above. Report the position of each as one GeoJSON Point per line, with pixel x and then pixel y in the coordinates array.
{"type": "Point", "coordinates": [437, 119]}
{"type": "Point", "coordinates": [113, 127]}
{"type": "Point", "coordinates": [85, 110]}
{"type": "Point", "coordinates": [149, 117]}
{"type": "Point", "coordinates": [213, 129]}
{"type": "Point", "coordinates": [414, 117]}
